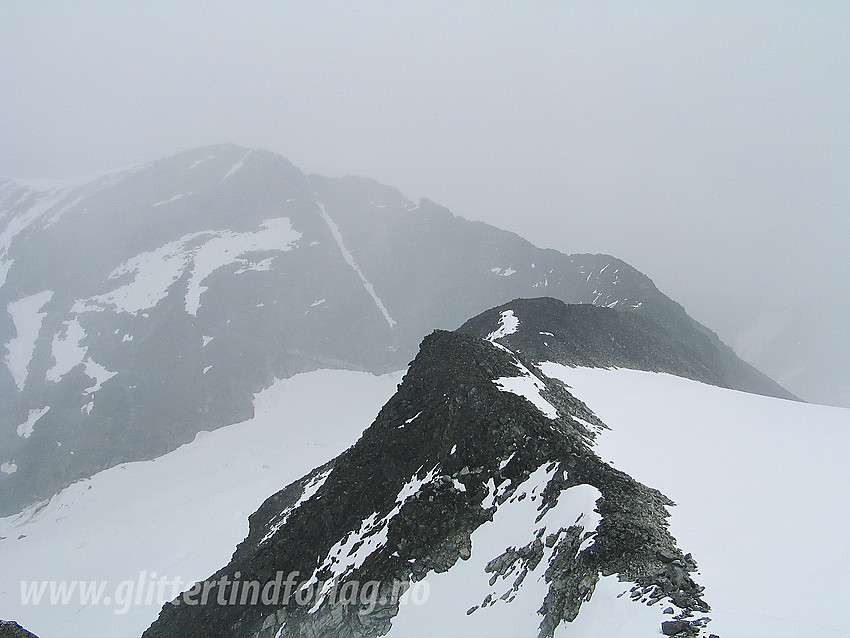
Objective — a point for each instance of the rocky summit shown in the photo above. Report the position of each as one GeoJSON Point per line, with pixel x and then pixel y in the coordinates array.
{"type": "Point", "coordinates": [479, 460]}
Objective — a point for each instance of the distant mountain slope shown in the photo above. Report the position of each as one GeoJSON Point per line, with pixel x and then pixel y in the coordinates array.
{"type": "Point", "coordinates": [475, 444]}
{"type": "Point", "coordinates": [147, 305]}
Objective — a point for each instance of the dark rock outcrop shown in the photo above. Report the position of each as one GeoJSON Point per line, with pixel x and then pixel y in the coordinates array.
{"type": "Point", "coordinates": [10, 629]}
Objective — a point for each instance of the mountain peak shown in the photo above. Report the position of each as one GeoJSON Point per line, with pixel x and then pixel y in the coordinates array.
{"type": "Point", "coordinates": [159, 299]}
{"type": "Point", "coordinates": [474, 437]}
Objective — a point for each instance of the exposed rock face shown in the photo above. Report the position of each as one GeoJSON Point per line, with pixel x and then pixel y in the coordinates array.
{"type": "Point", "coordinates": [143, 307]}
{"type": "Point", "coordinates": [446, 454]}
{"type": "Point", "coordinates": [9, 629]}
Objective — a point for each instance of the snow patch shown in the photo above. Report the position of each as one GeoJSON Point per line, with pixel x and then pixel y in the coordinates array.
{"type": "Point", "coordinates": [26, 428]}
{"type": "Point", "coordinates": [411, 419]}
{"type": "Point", "coordinates": [9, 468]}
{"type": "Point", "coordinates": [466, 585]}
{"type": "Point", "coordinates": [67, 352]}
{"type": "Point", "coordinates": [27, 318]}
{"type": "Point", "coordinates": [173, 199]}
{"type": "Point", "coordinates": [529, 386]}
{"type": "Point", "coordinates": [201, 161]}
{"type": "Point", "coordinates": [21, 222]}
{"type": "Point", "coordinates": [349, 553]}
{"type": "Point", "coordinates": [155, 271]}
{"type": "Point", "coordinates": [508, 324]}
{"type": "Point", "coordinates": [227, 247]}
{"type": "Point", "coordinates": [259, 266]}
{"type": "Point", "coordinates": [99, 375]}
{"type": "Point", "coordinates": [4, 270]}
{"type": "Point", "coordinates": [313, 486]}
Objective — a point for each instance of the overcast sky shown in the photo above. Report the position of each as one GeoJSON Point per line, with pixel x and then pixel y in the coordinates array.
{"type": "Point", "coordinates": [708, 144]}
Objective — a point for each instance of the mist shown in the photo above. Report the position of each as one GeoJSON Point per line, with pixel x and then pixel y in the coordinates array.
{"type": "Point", "coordinates": [706, 144]}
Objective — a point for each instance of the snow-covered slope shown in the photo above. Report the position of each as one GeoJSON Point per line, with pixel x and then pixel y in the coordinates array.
{"type": "Point", "coordinates": [761, 487]}
{"type": "Point", "coordinates": [178, 516]}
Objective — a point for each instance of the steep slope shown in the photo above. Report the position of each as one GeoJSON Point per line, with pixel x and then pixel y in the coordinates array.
{"type": "Point", "coordinates": [476, 439]}
{"type": "Point", "coordinates": [160, 316]}
{"type": "Point", "coordinates": [150, 304]}
{"type": "Point", "coordinates": [761, 488]}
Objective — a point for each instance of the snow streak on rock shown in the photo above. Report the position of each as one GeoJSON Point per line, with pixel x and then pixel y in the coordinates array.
{"type": "Point", "coordinates": [349, 259]}
{"type": "Point", "coordinates": [310, 489]}
{"type": "Point", "coordinates": [235, 168]}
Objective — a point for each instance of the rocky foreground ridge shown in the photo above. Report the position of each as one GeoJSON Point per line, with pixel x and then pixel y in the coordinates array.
{"type": "Point", "coordinates": [474, 430]}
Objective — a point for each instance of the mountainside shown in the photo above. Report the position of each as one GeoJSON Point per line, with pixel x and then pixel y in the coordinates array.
{"type": "Point", "coordinates": [476, 439]}
{"type": "Point", "coordinates": [150, 304]}
{"type": "Point", "coordinates": [134, 536]}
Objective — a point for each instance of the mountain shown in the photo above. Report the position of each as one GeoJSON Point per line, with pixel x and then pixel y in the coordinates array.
{"type": "Point", "coordinates": [767, 538]}
{"type": "Point", "coordinates": [475, 437]}
{"type": "Point", "coordinates": [592, 337]}
{"type": "Point", "coordinates": [147, 305]}
{"type": "Point", "coordinates": [482, 477]}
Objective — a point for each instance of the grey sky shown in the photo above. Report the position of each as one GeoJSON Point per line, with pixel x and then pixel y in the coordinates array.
{"type": "Point", "coordinates": [708, 144]}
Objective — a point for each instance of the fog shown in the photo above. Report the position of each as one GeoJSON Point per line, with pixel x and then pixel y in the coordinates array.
{"type": "Point", "coordinates": [707, 144]}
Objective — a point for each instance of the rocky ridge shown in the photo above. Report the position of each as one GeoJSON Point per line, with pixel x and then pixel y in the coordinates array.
{"type": "Point", "coordinates": [474, 428]}
{"type": "Point", "coordinates": [583, 335]}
